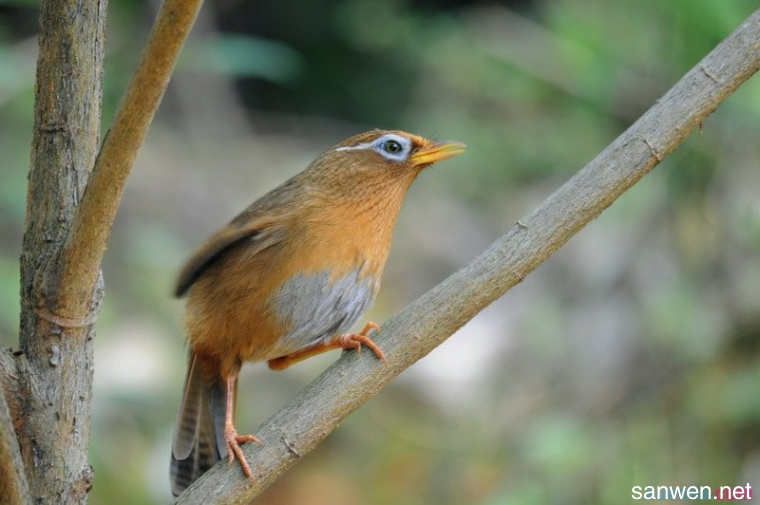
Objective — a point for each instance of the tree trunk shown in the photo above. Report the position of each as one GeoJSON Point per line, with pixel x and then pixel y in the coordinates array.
{"type": "Point", "coordinates": [55, 366]}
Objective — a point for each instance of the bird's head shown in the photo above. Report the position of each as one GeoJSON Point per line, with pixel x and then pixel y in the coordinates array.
{"type": "Point", "coordinates": [381, 158]}
{"type": "Point", "coordinates": [394, 150]}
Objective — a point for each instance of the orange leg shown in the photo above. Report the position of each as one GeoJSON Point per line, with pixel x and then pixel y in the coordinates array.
{"type": "Point", "coordinates": [234, 441]}
{"type": "Point", "coordinates": [347, 341]}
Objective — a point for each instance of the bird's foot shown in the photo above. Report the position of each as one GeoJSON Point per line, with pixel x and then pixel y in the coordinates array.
{"type": "Point", "coordinates": [235, 452]}
{"type": "Point", "coordinates": [352, 341]}
{"type": "Point", "coordinates": [355, 340]}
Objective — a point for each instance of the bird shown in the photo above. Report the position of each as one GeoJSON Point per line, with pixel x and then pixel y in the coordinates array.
{"type": "Point", "coordinates": [287, 279]}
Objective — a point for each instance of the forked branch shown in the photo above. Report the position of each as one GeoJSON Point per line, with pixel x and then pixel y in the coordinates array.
{"type": "Point", "coordinates": [86, 244]}
{"type": "Point", "coordinates": [65, 236]}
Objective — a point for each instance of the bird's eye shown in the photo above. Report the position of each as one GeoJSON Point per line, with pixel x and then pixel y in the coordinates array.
{"type": "Point", "coordinates": [392, 147]}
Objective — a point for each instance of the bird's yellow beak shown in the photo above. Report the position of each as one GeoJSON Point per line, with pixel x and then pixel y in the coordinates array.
{"type": "Point", "coordinates": [436, 152]}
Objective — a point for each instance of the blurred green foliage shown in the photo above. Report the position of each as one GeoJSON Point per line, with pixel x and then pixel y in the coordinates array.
{"type": "Point", "coordinates": [631, 358]}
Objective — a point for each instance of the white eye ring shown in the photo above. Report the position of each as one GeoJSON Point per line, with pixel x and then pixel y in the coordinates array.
{"type": "Point", "coordinates": [390, 146]}
{"type": "Point", "coordinates": [393, 147]}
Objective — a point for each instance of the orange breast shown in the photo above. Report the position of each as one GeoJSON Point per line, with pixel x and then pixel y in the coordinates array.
{"type": "Point", "coordinates": [230, 313]}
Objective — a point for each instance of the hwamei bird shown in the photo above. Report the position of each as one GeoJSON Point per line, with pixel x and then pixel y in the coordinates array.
{"type": "Point", "coordinates": [287, 279]}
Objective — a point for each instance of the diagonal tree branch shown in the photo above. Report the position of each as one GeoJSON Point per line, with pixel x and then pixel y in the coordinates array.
{"type": "Point", "coordinates": [14, 489]}
{"type": "Point", "coordinates": [86, 244]}
{"type": "Point", "coordinates": [13, 486]}
{"type": "Point", "coordinates": [431, 319]}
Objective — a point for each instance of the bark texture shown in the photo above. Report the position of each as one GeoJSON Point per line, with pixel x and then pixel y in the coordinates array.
{"type": "Point", "coordinates": [431, 319]}
{"type": "Point", "coordinates": [55, 368]}
{"type": "Point", "coordinates": [14, 489]}
{"type": "Point", "coordinates": [46, 407]}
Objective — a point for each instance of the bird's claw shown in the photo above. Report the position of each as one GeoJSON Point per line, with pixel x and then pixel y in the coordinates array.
{"type": "Point", "coordinates": [234, 451]}
{"type": "Point", "coordinates": [354, 341]}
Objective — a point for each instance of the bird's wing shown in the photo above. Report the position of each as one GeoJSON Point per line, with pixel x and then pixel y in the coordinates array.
{"type": "Point", "coordinates": [257, 234]}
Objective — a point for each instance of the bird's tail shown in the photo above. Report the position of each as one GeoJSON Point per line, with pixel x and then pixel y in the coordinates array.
{"type": "Point", "coordinates": [199, 433]}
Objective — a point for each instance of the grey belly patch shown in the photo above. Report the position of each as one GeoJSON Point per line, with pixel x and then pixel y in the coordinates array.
{"type": "Point", "coordinates": [315, 308]}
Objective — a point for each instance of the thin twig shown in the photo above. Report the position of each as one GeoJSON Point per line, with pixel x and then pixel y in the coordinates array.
{"type": "Point", "coordinates": [86, 244]}
{"type": "Point", "coordinates": [431, 319]}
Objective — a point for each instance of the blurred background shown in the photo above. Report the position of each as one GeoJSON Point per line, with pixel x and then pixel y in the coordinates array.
{"type": "Point", "coordinates": [632, 357]}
